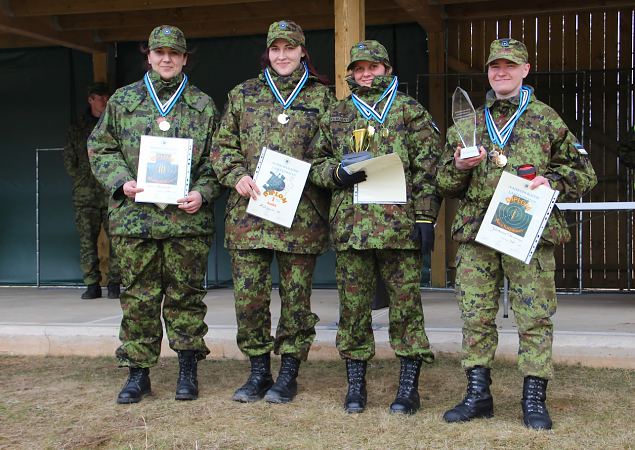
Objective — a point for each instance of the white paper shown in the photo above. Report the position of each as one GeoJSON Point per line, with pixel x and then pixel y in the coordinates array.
{"type": "Point", "coordinates": [281, 180]}
{"type": "Point", "coordinates": [164, 169]}
{"type": "Point", "coordinates": [516, 217]}
{"type": "Point", "coordinates": [385, 180]}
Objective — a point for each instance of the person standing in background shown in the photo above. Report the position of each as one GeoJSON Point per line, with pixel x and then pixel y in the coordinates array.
{"type": "Point", "coordinates": [90, 200]}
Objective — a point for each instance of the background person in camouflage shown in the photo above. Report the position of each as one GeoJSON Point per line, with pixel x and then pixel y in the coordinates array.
{"type": "Point", "coordinates": [391, 236]}
{"type": "Point", "coordinates": [539, 138]}
{"type": "Point", "coordinates": [89, 198]}
{"type": "Point", "coordinates": [254, 118]}
{"type": "Point", "coordinates": [163, 252]}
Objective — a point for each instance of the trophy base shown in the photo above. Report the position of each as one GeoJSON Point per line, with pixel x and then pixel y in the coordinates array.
{"type": "Point", "coordinates": [469, 152]}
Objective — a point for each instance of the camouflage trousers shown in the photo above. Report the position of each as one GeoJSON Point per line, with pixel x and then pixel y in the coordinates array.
{"type": "Point", "coordinates": [251, 271]}
{"type": "Point", "coordinates": [171, 271]}
{"type": "Point", "coordinates": [532, 294]}
{"type": "Point", "coordinates": [356, 282]}
{"type": "Point", "coordinates": [89, 221]}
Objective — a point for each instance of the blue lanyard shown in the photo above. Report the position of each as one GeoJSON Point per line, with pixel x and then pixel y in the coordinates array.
{"type": "Point", "coordinates": [500, 137]}
{"type": "Point", "coordinates": [369, 112]}
{"type": "Point", "coordinates": [276, 92]}
{"type": "Point", "coordinates": [164, 108]}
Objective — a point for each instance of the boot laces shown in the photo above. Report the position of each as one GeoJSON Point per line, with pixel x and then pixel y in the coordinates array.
{"type": "Point", "coordinates": [475, 383]}
{"type": "Point", "coordinates": [407, 379]}
{"type": "Point", "coordinates": [534, 396]}
{"type": "Point", "coordinates": [187, 366]}
{"type": "Point", "coordinates": [356, 377]}
{"type": "Point", "coordinates": [288, 371]}
{"type": "Point", "coordinates": [136, 375]}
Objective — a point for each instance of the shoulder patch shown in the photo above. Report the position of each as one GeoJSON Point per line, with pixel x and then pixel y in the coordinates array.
{"type": "Point", "coordinates": [581, 150]}
{"type": "Point", "coordinates": [434, 125]}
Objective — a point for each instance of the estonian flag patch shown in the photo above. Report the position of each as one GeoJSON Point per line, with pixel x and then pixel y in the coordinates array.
{"type": "Point", "coordinates": [581, 150]}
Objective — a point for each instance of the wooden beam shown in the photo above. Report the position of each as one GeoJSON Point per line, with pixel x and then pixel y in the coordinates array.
{"type": "Point", "coordinates": [100, 66]}
{"type": "Point", "coordinates": [40, 29]}
{"type": "Point", "coordinates": [350, 28]}
{"type": "Point", "coordinates": [30, 8]}
{"type": "Point", "coordinates": [15, 41]}
{"type": "Point", "coordinates": [535, 8]}
{"type": "Point", "coordinates": [219, 28]}
{"type": "Point", "coordinates": [429, 17]}
{"type": "Point", "coordinates": [436, 101]}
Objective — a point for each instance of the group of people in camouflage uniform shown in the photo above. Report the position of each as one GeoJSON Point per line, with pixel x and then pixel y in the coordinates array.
{"type": "Point", "coordinates": [288, 108]}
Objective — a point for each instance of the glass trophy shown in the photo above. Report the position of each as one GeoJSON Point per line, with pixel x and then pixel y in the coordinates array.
{"type": "Point", "coordinates": [464, 117]}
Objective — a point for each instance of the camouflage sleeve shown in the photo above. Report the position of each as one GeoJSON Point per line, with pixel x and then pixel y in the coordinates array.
{"type": "Point", "coordinates": [227, 156]}
{"type": "Point", "coordinates": [424, 147]}
{"type": "Point", "coordinates": [104, 152]}
{"type": "Point", "coordinates": [69, 154]}
{"type": "Point", "coordinates": [320, 152]}
{"type": "Point", "coordinates": [205, 179]}
{"type": "Point", "coordinates": [451, 181]}
{"type": "Point", "coordinates": [570, 170]}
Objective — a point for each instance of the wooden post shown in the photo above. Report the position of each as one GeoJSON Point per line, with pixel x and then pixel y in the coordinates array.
{"type": "Point", "coordinates": [437, 93]}
{"type": "Point", "coordinates": [349, 29]}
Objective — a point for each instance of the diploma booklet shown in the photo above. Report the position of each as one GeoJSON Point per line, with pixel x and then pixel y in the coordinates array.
{"type": "Point", "coordinates": [516, 217]}
{"type": "Point", "coordinates": [164, 169]}
{"type": "Point", "coordinates": [385, 180]}
{"type": "Point", "coordinates": [281, 180]}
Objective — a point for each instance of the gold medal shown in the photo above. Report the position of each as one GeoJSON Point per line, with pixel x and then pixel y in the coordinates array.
{"type": "Point", "coordinates": [283, 119]}
{"type": "Point", "coordinates": [501, 160]}
{"type": "Point", "coordinates": [384, 132]}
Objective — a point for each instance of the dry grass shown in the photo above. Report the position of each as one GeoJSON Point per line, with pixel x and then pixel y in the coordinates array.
{"type": "Point", "coordinates": [68, 403]}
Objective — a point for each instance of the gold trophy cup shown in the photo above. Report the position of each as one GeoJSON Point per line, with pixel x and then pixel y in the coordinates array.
{"type": "Point", "coordinates": [360, 140]}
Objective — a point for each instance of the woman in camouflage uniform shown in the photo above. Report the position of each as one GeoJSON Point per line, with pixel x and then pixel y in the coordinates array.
{"type": "Point", "coordinates": [162, 252]}
{"type": "Point", "coordinates": [261, 112]}
{"type": "Point", "coordinates": [391, 237]}
{"type": "Point", "coordinates": [540, 138]}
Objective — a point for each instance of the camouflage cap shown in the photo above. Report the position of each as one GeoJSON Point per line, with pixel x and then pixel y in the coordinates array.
{"type": "Point", "coordinates": [369, 51]}
{"type": "Point", "coordinates": [98, 88]}
{"type": "Point", "coordinates": [287, 30]}
{"type": "Point", "coordinates": [509, 49]}
{"type": "Point", "coordinates": [167, 36]}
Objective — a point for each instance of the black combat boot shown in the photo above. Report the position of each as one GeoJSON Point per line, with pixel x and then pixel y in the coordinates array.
{"type": "Point", "coordinates": [113, 290]}
{"type": "Point", "coordinates": [137, 386]}
{"type": "Point", "coordinates": [478, 400]}
{"type": "Point", "coordinates": [355, 401]}
{"type": "Point", "coordinates": [407, 400]}
{"type": "Point", "coordinates": [259, 380]}
{"type": "Point", "coordinates": [535, 414]}
{"type": "Point", "coordinates": [187, 384]}
{"type": "Point", "coordinates": [92, 291]}
{"type": "Point", "coordinates": [286, 386]}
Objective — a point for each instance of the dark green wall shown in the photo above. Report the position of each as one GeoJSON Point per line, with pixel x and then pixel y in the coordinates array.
{"type": "Point", "coordinates": [43, 90]}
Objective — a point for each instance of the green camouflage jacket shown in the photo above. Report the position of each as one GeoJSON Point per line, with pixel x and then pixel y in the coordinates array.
{"type": "Point", "coordinates": [249, 123]}
{"type": "Point", "coordinates": [86, 190]}
{"type": "Point", "coordinates": [539, 138]}
{"type": "Point", "coordinates": [409, 132]}
{"type": "Point", "coordinates": [113, 149]}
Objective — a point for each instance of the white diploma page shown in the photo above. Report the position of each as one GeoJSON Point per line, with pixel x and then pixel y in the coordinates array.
{"type": "Point", "coordinates": [281, 180]}
{"type": "Point", "coordinates": [385, 180]}
{"type": "Point", "coordinates": [516, 217]}
{"type": "Point", "coordinates": [164, 169]}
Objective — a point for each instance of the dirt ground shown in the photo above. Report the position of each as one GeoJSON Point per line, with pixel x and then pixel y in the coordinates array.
{"type": "Point", "coordinates": [69, 403]}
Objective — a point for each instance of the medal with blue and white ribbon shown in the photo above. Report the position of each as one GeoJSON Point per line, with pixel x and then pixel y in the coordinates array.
{"type": "Point", "coordinates": [370, 113]}
{"type": "Point", "coordinates": [501, 137]}
{"type": "Point", "coordinates": [283, 117]}
{"type": "Point", "coordinates": [164, 108]}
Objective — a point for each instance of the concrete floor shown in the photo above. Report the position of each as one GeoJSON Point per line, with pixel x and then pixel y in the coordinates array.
{"type": "Point", "coordinates": [591, 329]}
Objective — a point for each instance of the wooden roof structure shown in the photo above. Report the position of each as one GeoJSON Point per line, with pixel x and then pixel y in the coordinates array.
{"type": "Point", "coordinates": [561, 36]}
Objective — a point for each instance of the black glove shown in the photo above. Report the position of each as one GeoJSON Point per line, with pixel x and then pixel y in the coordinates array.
{"type": "Point", "coordinates": [343, 179]}
{"type": "Point", "coordinates": [423, 231]}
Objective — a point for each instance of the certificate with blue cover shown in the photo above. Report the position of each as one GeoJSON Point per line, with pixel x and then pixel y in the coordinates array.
{"type": "Point", "coordinates": [516, 217]}
{"type": "Point", "coordinates": [164, 169]}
